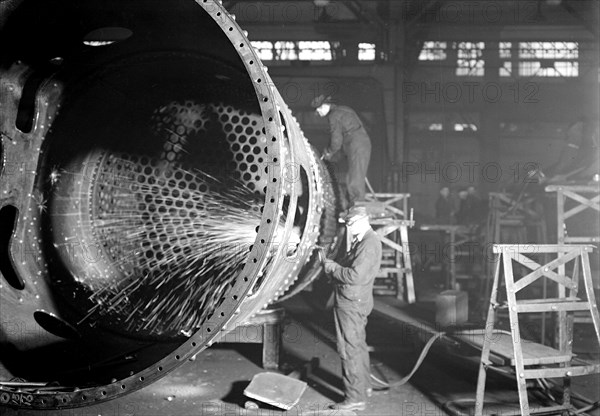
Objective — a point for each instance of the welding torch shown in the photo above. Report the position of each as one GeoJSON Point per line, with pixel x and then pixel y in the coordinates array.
{"type": "Point", "coordinates": [322, 252]}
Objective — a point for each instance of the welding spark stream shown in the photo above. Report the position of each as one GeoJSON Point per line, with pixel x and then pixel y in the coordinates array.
{"type": "Point", "coordinates": [179, 245]}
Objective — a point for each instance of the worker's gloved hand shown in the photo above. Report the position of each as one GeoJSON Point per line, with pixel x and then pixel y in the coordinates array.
{"type": "Point", "coordinates": [327, 155]}
{"type": "Point", "coordinates": [329, 266]}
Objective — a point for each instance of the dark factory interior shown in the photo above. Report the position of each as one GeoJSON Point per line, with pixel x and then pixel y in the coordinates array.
{"type": "Point", "coordinates": [304, 207]}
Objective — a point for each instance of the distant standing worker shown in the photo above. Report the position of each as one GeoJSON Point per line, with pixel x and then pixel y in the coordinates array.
{"type": "Point", "coordinates": [353, 279]}
{"type": "Point", "coordinates": [444, 207]}
{"type": "Point", "coordinates": [349, 135]}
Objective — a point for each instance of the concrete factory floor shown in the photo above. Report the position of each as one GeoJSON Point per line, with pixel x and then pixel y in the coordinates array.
{"type": "Point", "coordinates": [213, 384]}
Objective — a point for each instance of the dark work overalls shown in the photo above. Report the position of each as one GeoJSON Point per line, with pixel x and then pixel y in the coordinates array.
{"type": "Point", "coordinates": [353, 279]}
{"type": "Point", "coordinates": [348, 134]}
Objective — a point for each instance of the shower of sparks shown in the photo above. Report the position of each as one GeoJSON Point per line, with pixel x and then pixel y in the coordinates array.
{"type": "Point", "coordinates": [180, 246]}
{"type": "Point", "coordinates": [40, 202]}
{"type": "Point", "coordinates": [54, 176]}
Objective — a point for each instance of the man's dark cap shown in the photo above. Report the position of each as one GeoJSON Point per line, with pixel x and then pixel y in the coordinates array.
{"type": "Point", "coordinates": [356, 213]}
{"type": "Point", "coordinates": [320, 100]}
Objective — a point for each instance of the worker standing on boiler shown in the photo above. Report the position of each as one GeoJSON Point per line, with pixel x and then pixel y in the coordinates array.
{"type": "Point", "coordinates": [349, 135]}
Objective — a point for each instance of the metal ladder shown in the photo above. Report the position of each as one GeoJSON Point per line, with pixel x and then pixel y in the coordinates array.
{"type": "Point", "coordinates": [532, 360]}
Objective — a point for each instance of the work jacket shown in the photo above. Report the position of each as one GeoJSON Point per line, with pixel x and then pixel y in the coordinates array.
{"type": "Point", "coordinates": [347, 131]}
{"type": "Point", "coordinates": [355, 274]}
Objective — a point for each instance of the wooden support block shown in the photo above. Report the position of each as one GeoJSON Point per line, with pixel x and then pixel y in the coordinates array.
{"type": "Point", "coordinates": [263, 328]}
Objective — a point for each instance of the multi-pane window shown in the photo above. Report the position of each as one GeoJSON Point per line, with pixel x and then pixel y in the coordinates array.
{"type": "Point", "coordinates": [470, 59]}
{"type": "Point", "coordinates": [264, 49]}
{"type": "Point", "coordinates": [548, 59]}
{"type": "Point", "coordinates": [366, 51]}
{"type": "Point", "coordinates": [505, 50]}
{"type": "Point", "coordinates": [549, 50]}
{"type": "Point", "coordinates": [285, 51]}
{"type": "Point", "coordinates": [314, 50]}
{"type": "Point", "coordinates": [548, 69]}
{"type": "Point", "coordinates": [293, 50]}
{"type": "Point", "coordinates": [433, 51]}
{"type": "Point", "coordinates": [505, 54]}
{"type": "Point", "coordinates": [506, 69]}
{"type": "Point", "coordinates": [516, 59]}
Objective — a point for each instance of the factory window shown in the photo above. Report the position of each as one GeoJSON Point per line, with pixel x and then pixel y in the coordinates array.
{"type": "Point", "coordinates": [366, 51]}
{"type": "Point", "coordinates": [548, 69]}
{"type": "Point", "coordinates": [314, 50]}
{"type": "Point", "coordinates": [294, 50]}
{"type": "Point", "coordinates": [433, 51]}
{"type": "Point", "coordinates": [285, 51]}
{"type": "Point", "coordinates": [506, 69]}
{"type": "Point", "coordinates": [263, 49]}
{"type": "Point", "coordinates": [548, 59]}
{"type": "Point", "coordinates": [549, 50]}
{"type": "Point", "coordinates": [505, 54]}
{"type": "Point", "coordinates": [465, 127]}
{"type": "Point", "coordinates": [504, 49]}
{"type": "Point", "coordinates": [470, 58]}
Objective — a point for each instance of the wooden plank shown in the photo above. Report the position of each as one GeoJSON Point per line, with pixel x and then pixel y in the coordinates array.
{"type": "Point", "coordinates": [392, 244]}
{"type": "Point", "coordinates": [396, 211]}
{"type": "Point", "coordinates": [588, 202]}
{"type": "Point", "coordinates": [384, 195]}
{"type": "Point", "coordinates": [562, 371]}
{"type": "Point", "coordinates": [516, 333]}
{"type": "Point", "coordinates": [532, 307]}
{"type": "Point", "coordinates": [410, 286]}
{"type": "Point", "coordinates": [576, 188]}
{"type": "Point", "coordinates": [560, 218]}
{"type": "Point", "coordinates": [549, 410]}
{"type": "Point", "coordinates": [545, 270]}
{"type": "Point", "coordinates": [386, 229]}
{"type": "Point", "coordinates": [582, 239]}
{"type": "Point", "coordinates": [576, 210]}
{"type": "Point", "coordinates": [501, 345]}
{"type": "Point", "coordinates": [392, 221]}
{"type": "Point", "coordinates": [536, 248]}
{"type": "Point", "coordinates": [486, 341]}
{"type": "Point", "coordinates": [589, 291]}
{"type": "Point", "coordinates": [438, 227]}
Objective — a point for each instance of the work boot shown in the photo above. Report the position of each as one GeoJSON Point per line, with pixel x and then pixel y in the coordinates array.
{"type": "Point", "coordinates": [347, 405]}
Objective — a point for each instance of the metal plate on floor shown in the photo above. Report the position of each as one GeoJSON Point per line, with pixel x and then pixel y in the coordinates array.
{"type": "Point", "coordinates": [275, 389]}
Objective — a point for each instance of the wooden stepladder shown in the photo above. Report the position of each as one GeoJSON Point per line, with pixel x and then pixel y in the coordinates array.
{"type": "Point", "coordinates": [390, 219]}
{"type": "Point", "coordinates": [509, 218]}
{"type": "Point", "coordinates": [585, 197]}
{"type": "Point", "coordinates": [529, 359]}
{"type": "Point", "coordinates": [581, 199]}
